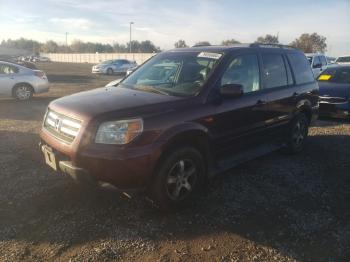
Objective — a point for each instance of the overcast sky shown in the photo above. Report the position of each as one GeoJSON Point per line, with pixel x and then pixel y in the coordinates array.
{"type": "Point", "coordinates": [164, 22]}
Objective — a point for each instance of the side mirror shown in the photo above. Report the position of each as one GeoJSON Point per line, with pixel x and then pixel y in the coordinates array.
{"type": "Point", "coordinates": [231, 90]}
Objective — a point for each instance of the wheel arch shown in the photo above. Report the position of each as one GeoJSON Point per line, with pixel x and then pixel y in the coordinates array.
{"type": "Point", "coordinates": [197, 138]}
{"type": "Point", "coordinates": [304, 107]}
{"type": "Point", "coordinates": [22, 83]}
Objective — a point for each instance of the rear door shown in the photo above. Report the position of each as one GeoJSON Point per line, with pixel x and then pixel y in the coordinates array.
{"type": "Point", "coordinates": [278, 92]}
{"type": "Point", "coordinates": [7, 79]}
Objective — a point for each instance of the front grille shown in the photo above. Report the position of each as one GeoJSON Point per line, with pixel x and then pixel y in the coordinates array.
{"type": "Point", "coordinates": [62, 127]}
{"type": "Point", "coordinates": [332, 100]}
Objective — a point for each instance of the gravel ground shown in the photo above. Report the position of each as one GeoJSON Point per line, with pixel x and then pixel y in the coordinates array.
{"type": "Point", "coordinates": [275, 208]}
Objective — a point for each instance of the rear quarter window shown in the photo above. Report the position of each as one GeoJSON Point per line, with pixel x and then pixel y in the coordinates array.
{"type": "Point", "coordinates": [301, 68]}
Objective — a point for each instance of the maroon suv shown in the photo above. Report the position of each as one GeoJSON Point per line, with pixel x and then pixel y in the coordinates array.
{"type": "Point", "coordinates": [182, 117]}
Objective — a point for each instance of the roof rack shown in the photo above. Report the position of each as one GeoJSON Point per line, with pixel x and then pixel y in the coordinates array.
{"type": "Point", "coordinates": [262, 45]}
{"type": "Point", "coordinates": [200, 45]}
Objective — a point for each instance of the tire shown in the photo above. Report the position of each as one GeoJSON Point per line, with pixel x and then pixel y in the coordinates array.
{"type": "Point", "coordinates": [109, 71]}
{"type": "Point", "coordinates": [297, 134]}
{"type": "Point", "coordinates": [23, 92]}
{"type": "Point", "coordinates": [178, 178]}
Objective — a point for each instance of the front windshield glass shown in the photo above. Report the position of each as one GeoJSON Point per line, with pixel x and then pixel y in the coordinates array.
{"type": "Point", "coordinates": [107, 62]}
{"type": "Point", "coordinates": [174, 73]}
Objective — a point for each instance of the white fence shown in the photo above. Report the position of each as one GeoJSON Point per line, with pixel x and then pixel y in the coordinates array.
{"type": "Point", "coordinates": [98, 57]}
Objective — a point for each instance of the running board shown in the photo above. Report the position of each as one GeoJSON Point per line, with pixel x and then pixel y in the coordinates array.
{"type": "Point", "coordinates": [231, 161]}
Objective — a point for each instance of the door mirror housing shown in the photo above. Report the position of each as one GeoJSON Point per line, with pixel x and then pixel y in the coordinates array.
{"type": "Point", "coordinates": [231, 90]}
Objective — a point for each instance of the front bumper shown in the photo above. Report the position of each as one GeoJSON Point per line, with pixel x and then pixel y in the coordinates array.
{"type": "Point", "coordinates": [124, 168]}
{"type": "Point", "coordinates": [335, 110]}
{"type": "Point", "coordinates": [98, 71]}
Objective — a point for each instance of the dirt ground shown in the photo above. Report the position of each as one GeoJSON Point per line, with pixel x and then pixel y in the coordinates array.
{"type": "Point", "coordinates": [275, 208]}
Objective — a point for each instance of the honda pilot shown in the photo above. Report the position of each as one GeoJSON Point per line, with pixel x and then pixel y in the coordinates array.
{"type": "Point", "coordinates": [182, 117]}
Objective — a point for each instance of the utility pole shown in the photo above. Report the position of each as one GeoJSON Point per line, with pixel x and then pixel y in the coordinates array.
{"type": "Point", "coordinates": [131, 23]}
{"type": "Point", "coordinates": [67, 42]}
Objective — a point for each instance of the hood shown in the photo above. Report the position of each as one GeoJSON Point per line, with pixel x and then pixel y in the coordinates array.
{"type": "Point", "coordinates": [89, 104]}
{"type": "Point", "coordinates": [334, 90]}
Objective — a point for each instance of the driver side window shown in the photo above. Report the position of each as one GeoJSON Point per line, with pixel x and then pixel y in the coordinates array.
{"type": "Point", "coordinates": [243, 70]}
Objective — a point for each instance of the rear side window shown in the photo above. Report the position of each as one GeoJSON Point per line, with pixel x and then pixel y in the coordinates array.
{"type": "Point", "coordinates": [301, 68]}
{"type": "Point", "coordinates": [317, 62]}
{"type": "Point", "coordinates": [336, 75]}
{"type": "Point", "coordinates": [274, 73]}
{"type": "Point", "coordinates": [323, 60]}
{"type": "Point", "coordinates": [7, 69]}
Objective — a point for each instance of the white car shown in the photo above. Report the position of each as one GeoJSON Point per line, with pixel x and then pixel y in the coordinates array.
{"type": "Point", "coordinates": [343, 60]}
{"type": "Point", "coordinates": [41, 59]}
{"type": "Point", "coordinates": [21, 82]}
{"type": "Point", "coordinates": [318, 63]}
{"type": "Point", "coordinates": [110, 67]}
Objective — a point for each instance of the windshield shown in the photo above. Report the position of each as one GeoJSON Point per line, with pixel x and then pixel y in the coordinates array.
{"type": "Point", "coordinates": [344, 59]}
{"type": "Point", "coordinates": [107, 62]}
{"type": "Point", "coordinates": [174, 73]}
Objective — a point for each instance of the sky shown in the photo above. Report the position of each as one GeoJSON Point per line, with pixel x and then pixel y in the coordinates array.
{"type": "Point", "coordinates": [164, 22]}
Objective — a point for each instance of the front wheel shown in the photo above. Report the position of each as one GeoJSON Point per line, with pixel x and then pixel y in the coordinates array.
{"type": "Point", "coordinates": [109, 71]}
{"type": "Point", "coordinates": [297, 134]}
{"type": "Point", "coordinates": [178, 178]}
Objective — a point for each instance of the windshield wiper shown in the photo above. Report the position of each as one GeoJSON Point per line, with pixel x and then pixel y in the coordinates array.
{"type": "Point", "coordinates": [151, 89]}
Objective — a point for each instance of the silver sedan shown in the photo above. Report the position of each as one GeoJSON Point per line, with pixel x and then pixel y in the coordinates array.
{"type": "Point", "coordinates": [21, 82]}
{"type": "Point", "coordinates": [110, 67]}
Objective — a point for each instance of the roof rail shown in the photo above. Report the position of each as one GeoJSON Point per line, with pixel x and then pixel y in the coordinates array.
{"type": "Point", "coordinates": [262, 45]}
{"type": "Point", "coordinates": [199, 45]}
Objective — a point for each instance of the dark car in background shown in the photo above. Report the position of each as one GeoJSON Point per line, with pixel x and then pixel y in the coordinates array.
{"type": "Point", "coordinates": [182, 117]}
{"type": "Point", "coordinates": [334, 85]}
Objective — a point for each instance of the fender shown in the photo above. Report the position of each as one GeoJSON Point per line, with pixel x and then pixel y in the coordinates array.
{"type": "Point", "coordinates": [187, 127]}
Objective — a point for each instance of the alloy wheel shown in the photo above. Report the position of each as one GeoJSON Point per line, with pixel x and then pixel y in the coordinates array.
{"type": "Point", "coordinates": [23, 92]}
{"type": "Point", "coordinates": [181, 179]}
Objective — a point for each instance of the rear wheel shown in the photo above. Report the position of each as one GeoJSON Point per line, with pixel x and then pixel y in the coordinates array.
{"type": "Point", "coordinates": [178, 178]}
{"type": "Point", "coordinates": [23, 92]}
{"type": "Point", "coordinates": [297, 134]}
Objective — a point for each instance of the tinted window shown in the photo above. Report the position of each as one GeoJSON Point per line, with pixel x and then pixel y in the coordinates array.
{"type": "Point", "coordinates": [344, 59]}
{"type": "Point", "coordinates": [243, 70]}
{"type": "Point", "coordinates": [274, 71]}
{"type": "Point", "coordinates": [323, 60]}
{"type": "Point", "coordinates": [289, 73]}
{"type": "Point", "coordinates": [336, 75]}
{"type": "Point", "coordinates": [301, 68]}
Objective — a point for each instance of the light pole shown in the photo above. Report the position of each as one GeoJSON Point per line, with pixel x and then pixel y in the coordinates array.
{"type": "Point", "coordinates": [131, 23]}
{"type": "Point", "coordinates": [67, 42]}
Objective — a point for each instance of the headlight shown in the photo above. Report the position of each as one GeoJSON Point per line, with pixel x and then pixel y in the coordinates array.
{"type": "Point", "coordinates": [119, 132]}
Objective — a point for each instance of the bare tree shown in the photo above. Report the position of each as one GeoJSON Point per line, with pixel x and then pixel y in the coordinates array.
{"type": "Point", "coordinates": [311, 43]}
{"type": "Point", "coordinates": [180, 44]}
{"type": "Point", "coordinates": [267, 39]}
{"type": "Point", "coordinates": [229, 42]}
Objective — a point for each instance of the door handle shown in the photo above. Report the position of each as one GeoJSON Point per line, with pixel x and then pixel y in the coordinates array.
{"type": "Point", "coordinates": [261, 102]}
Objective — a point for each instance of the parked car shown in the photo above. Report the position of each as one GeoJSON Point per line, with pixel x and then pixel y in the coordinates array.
{"type": "Point", "coordinates": [130, 70]}
{"type": "Point", "coordinates": [41, 59]}
{"type": "Point", "coordinates": [21, 82]}
{"type": "Point", "coordinates": [343, 60]}
{"type": "Point", "coordinates": [182, 117]}
{"type": "Point", "coordinates": [334, 85]}
{"type": "Point", "coordinates": [110, 67]}
{"type": "Point", "coordinates": [318, 63]}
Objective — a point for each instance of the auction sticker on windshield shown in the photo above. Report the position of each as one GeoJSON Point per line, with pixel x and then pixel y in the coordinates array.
{"type": "Point", "coordinates": [209, 55]}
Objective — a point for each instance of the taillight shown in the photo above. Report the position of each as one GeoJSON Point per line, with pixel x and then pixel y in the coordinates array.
{"type": "Point", "coordinates": [40, 74]}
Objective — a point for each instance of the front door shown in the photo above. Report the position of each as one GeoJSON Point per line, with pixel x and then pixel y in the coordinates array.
{"type": "Point", "coordinates": [238, 121]}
